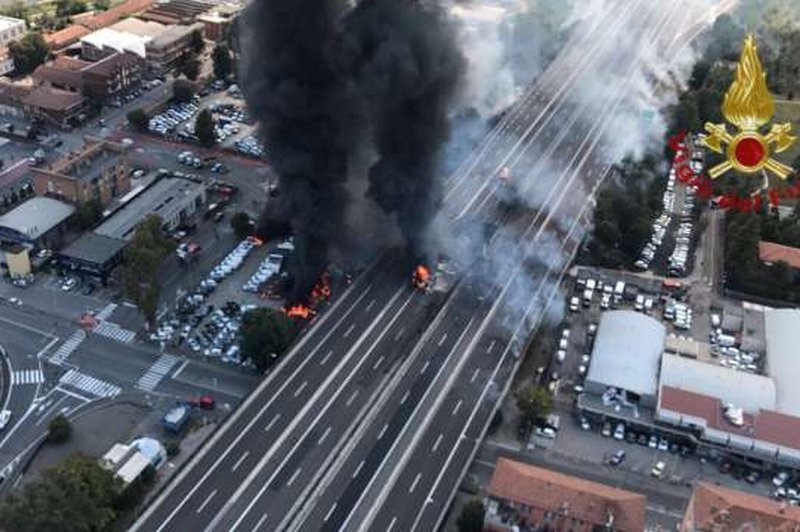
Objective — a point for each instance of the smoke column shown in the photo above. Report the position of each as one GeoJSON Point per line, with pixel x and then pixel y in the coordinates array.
{"type": "Point", "coordinates": [292, 88]}
{"type": "Point", "coordinates": [403, 59]}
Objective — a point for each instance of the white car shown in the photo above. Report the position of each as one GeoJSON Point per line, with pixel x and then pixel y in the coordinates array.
{"type": "Point", "coordinates": [5, 416]}
{"type": "Point", "coordinates": [619, 432]}
{"type": "Point", "coordinates": [658, 469]}
{"type": "Point", "coordinates": [780, 479]}
{"type": "Point", "coordinates": [546, 432]}
{"type": "Point", "coordinates": [561, 355]}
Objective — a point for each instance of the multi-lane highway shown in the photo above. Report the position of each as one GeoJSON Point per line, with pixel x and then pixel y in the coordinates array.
{"type": "Point", "coordinates": [371, 418]}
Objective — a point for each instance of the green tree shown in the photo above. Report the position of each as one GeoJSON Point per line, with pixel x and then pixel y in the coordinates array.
{"type": "Point", "coordinates": [197, 43]}
{"type": "Point", "coordinates": [29, 52]}
{"type": "Point", "coordinates": [241, 224]}
{"type": "Point", "coordinates": [222, 61]}
{"type": "Point", "coordinates": [182, 90]}
{"type": "Point", "coordinates": [59, 430]}
{"type": "Point", "coordinates": [189, 67]}
{"type": "Point", "coordinates": [204, 128]}
{"type": "Point", "coordinates": [146, 251]}
{"type": "Point", "coordinates": [138, 119]}
{"type": "Point", "coordinates": [534, 403]}
{"type": "Point", "coordinates": [65, 8]}
{"type": "Point", "coordinates": [101, 5]}
{"type": "Point", "coordinates": [265, 336]}
{"type": "Point", "coordinates": [88, 214]}
{"type": "Point", "coordinates": [471, 518]}
{"type": "Point", "coordinates": [77, 495]}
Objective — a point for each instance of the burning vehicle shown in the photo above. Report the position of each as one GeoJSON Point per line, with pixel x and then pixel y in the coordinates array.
{"type": "Point", "coordinates": [505, 190]}
{"type": "Point", "coordinates": [441, 279]}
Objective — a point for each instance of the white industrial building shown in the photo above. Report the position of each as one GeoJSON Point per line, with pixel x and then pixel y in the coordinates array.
{"type": "Point", "coordinates": [11, 29]}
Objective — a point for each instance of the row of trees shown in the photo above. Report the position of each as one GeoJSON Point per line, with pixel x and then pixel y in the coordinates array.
{"type": "Point", "coordinates": [266, 334]}
{"type": "Point", "coordinates": [77, 495]}
{"type": "Point", "coordinates": [625, 210]}
{"type": "Point", "coordinates": [143, 258]}
{"type": "Point", "coordinates": [29, 52]}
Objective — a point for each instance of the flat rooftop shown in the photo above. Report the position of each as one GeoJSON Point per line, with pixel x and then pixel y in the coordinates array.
{"type": "Point", "coordinates": [9, 22]}
{"type": "Point", "coordinates": [161, 198]}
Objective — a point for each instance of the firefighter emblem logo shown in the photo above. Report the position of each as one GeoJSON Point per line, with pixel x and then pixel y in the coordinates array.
{"type": "Point", "coordinates": [749, 107]}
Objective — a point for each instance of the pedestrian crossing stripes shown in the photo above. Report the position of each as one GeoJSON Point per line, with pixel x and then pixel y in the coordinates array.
{"type": "Point", "coordinates": [114, 332]}
{"type": "Point", "coordinates": [89, 384]}
{"type": "Point", "coordinates": [156, 373]}
{"type": "Point", "coordinates": [66, 349]}
{"type": "Point", "coordinates": [106, 312]}
{"type": "Point", "coordinates": [27, 376]}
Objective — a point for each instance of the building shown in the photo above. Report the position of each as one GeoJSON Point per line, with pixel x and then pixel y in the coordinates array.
{"type": "Point", "coordinates": [17, 261]}
{"type": "Point", "coordinates": [64, 38]}
{"type": "Point", "coordinates": [165, 50]}
{"type": "Point", "coordinates": [770, 253]}
{"type": "Point", "coordinates": [63, 73]}
{"type": "Point", "coordinates": [175, 200]}
{"type": "Point", "coordinates": [56, 106]}
{"type": "Point", "coordinates": [626, 355]}
{"type": "Point", "coordinates": [7, 65]}
{"type": "Point", "coordinates": [108, 17]}
{"type": "Point", "coordinates": [526, 495]}
{"type": "Point", "coordinates": [93, 255]}
{"type": "Point", "coordinates": [176, 11]}
{"type": "Point", "coordinates": [11, 29]}
{"type": "Point", "coordinates": [219, 21]}
{"type": "Point", "coordinates": [39, 221]}
{"type": "Point", "coordinates": [742, 413]}
{"type": "Point", "coordinates": [107, 41]}
{"type": "Point", "coordinates": [112, 76]}
{"type": "Point", "coordinates": [100, 172]}
{"type": "Point", "coordinates": [714, 508]}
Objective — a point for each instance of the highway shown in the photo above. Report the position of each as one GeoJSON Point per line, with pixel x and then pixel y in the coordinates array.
{"type": "Point", "coordinates": [370, 419]}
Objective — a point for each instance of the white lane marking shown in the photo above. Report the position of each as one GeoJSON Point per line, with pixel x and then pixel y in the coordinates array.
{"type": "Point", "coordinates": [239, 412]}
{"type": "Point", "coordinates": [330, 512]}
{"type": "Point", "coordinates": [240, 460]}
{"type": "Point", "coordinates": [294, 476]}
{"type": "Point", "coordinates": [424, 367]}
{"type": "Point", "coordinates": [474, 376]}
{"type": "Point", "coordinates": [349, 330]}
{"type": "Point", "coordinates": [458, 405]}
{"type": "Point", "coordinates": [324, 435]}
{"type": "Point", "coordinates": [405, 397]}
{"type": "Point", "coordinates": [414, 484]}
{"type": "Point", "coordinates": [436, 443]}
{"type": "Point", "coordinates": [260, 522]}
{"type": "Point", "coordinates": [391, 525]}
{"type": "Point", "coordinates": [399, 334]}
{"type": "Point", "coordinates": [352, 397]}
{"type": "Point", "coordinates": [300, 389]}
{"type": "Point", "coordinates": [180, 369]}
{"type": "Point", "coordinates": [442, 339]}
{"type": "Point", "coordinates": [358, 469]}
{"type": "Point", "coordinates": [377, 363]}
{"type": "Point", "coordinates": [271, 423]}
{"type": "Point", "coordinates": [325, 358]}
{"type": "Point", "coordinates": [383, 431]}
{"type": "Point", "coordinates": [205, 502]}
{"type": "Point", "coordinates": [369, 305]}
{"type": "Point", "coordinates": [491, 346]}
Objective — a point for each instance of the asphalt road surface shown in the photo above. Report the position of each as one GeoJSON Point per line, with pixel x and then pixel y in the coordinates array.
{"type": "Point", "coordinates": [358, 429]}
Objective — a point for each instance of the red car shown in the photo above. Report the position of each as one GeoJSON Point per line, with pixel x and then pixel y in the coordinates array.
{"type": "Point", "coordinates": [205, 402]}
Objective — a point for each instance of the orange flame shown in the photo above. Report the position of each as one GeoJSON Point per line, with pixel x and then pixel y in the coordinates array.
{"type": "Point", "coordinates": [322, 289]}
{"type": "Point", "coordinates": [299, 311]}
{"type": "Point", "coordinates": [422, 276]}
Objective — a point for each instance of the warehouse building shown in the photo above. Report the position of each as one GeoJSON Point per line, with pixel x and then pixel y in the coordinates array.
{"type": "Point", "coordinates": [37, 222]}
{"type": "Point", "coordinates": [93, 255]}
{"type": "Point", "coordinates": [175, 200]}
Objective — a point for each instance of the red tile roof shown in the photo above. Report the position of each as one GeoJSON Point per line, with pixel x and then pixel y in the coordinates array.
{"type": "Point", "coordinates": [551, 491]}
{"type": "Point", "coordinates": [766, 425]}
{"type": "Point", "coordinates": [52, 99]}
{"type": "Point", "coordinates": [125, 9]}
{"type": "Point", "coordinates": [67, 36]}
{"type": "Point", "coordinates": [772, 252]}
{"type": "Point", "coordinates": [717, 508]}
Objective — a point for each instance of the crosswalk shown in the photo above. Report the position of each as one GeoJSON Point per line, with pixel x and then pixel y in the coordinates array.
{"type": "Point", "coordinates": [114, 332]}
{"type": "Point", "coordinates": [156, 373]}
{"type": "Point", "coordinates": [27, 376]}
{"type": "Point", "coordinates": [66, 349]}
{"type": "Point", "coordinates": [89, 384]}
{"type": "Point", "coordinates": [106, 312]}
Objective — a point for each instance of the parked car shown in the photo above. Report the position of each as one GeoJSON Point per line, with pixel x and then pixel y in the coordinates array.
{"type": "Point", "coordinates": [658, 470]}
{"type": "Point", "coordinates": [617, 458]}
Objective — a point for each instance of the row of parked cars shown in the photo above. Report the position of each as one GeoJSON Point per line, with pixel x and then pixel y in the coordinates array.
{"type": "Point", "coordinates": [683, 238]}
{"type": "Point", "coordinates": [679, 313]}
{"type": "Point", "coordinates": [167, 121]}
{"type": "Point", "coordinates": [270, 266]}
{"type": "Point", "coordinates": [219, 336]}
{"type": "Point", "coordinates": [249, 146]}
{"type": "Point", "coordinates": [660, 225]}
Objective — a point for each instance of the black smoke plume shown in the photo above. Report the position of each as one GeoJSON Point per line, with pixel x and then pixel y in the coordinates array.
{"type": "Point", "coordinates": [292, 88]}
{"type": "Point", "coordinates": [402, 57]}
{"type": "Point", "coordinates": [323, 82]}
